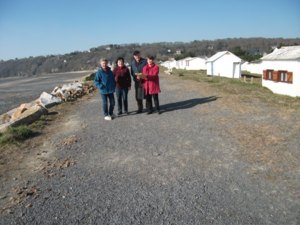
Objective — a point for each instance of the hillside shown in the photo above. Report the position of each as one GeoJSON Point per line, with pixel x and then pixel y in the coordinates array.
{"type": "Point", "coordinates": [88, 60]}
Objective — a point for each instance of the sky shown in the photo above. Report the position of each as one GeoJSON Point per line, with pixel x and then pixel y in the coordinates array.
{"type": "Point", "coordinates": [42, 27]}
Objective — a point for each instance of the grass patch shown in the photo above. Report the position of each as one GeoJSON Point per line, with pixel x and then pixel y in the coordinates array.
{"type": "Point", "coordinates": [246, 90]}
{"type": "Point", "coordinates": [40, 123]}
{"type": "Point", "coordinates": [14, 135]}
{"type": "Point", "coordinates": [91, 77]}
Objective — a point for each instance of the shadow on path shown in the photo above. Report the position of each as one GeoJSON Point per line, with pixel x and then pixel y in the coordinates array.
{"type": "Point", "coordinates": [186, 104]}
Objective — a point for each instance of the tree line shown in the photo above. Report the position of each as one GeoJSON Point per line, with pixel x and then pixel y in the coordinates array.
{"type": "Point", "coordinates": [247, 48]}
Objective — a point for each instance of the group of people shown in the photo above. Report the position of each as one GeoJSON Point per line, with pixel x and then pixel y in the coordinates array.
{"type": "Point", "coordinates": [144, 73]}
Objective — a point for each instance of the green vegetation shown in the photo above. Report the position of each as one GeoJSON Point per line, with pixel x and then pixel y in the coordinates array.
{"type": "Point", "coordinates": [40, 123]}
{"type": "Point", "coordinates": [245, 55]}
{"type": "Point", "coordinates": [246, 90]}
{"type": "Point", "coordinates": [13, 135]}
{"type": "Point", "coordinates": [90, 77]}
{"type": "Point", "coordinates": [16, 135]}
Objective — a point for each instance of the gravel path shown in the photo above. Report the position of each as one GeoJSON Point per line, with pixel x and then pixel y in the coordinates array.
{"type": "Point", "coordinates": [204, 160]}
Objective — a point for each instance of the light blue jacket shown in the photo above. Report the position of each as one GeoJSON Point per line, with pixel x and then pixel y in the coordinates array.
{"type": "Point", "coordinates": [105, 81]}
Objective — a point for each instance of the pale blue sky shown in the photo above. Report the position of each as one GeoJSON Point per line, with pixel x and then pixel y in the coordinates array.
{"type": "Point", "coordinates": [44, 27]}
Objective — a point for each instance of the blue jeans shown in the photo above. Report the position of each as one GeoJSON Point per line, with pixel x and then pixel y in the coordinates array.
{"type": "Point", "coordinates": [111, 99]}
{"type": "Point", "coordinates": [122, 97]}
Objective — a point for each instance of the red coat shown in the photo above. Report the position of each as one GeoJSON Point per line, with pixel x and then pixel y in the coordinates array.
{"type": "Point", "coordinates": [151, 83]}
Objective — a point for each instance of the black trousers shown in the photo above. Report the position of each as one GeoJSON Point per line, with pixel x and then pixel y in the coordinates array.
{"type": "Point", "coordinates": [149, 105]}
{"type": "Point", "coordinates": [139, 99]}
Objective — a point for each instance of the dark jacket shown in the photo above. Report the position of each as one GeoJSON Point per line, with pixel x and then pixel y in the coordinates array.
{"type": "Point", "coordinates": [105, 81]}
{"type": "Point", "coordinates": [137, 67]}
{"type": "Point", "coordinates": [122, 77]}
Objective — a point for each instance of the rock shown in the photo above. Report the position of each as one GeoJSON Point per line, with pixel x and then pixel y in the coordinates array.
{"type": "Point", "coordinates": [88, 88]}
{"type": "Point", "coordinates": [48, 100]}
{"type": "Point", "coordinates": [5, 118]}
{"type": "Point", "coordinates": [68, 92]}
{"type": "Point", "coordinates": [30, 115]}
{"type": "Point", "coordinates": [22, 108]}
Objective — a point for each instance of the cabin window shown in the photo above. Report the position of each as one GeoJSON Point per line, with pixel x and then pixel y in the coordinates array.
{"type": "Point", "coordinates": [269, 74]}
{"type": "Point", "coordinates": [278, 76]}
{"type": "Point", "coordinates": [283, 76]}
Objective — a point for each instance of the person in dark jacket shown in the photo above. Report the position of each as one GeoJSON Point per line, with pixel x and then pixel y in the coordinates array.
{"type": "Point", "coordinates": [123, 84]}
{"type": "Point", "coordinates": [105, 82]}
{"type": "Point", "coordinates": [137, 65]}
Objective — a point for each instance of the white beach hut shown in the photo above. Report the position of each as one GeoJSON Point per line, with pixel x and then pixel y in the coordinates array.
{"type": "Point", "coordinates": [170, 64]}
{"type": "Point", "coordinates": [224, 64]}
{"type": "Point", "coordinates": [182, 63]}
{"type": "Point", "coordinates": [253, 67]}
{"type": "Point", "coordinates": [196, 63]}
{"type": "Point", "coordinates": [281, 71]}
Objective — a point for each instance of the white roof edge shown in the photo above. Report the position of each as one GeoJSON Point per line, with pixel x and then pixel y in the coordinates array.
{"type": "Point", "coordinates": [216, 56]}
{"type": "Point", "coordinates": [284, 53]}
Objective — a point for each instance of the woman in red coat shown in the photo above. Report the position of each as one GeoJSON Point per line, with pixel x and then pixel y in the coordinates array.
{"type": "Point", "coordinates": [151, 84]}
{"type": "Point", "coordinates": [123, 84]}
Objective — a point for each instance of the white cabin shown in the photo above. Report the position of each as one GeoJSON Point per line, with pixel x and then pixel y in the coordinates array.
{"type": "Point", "coordinates": [170, 64]}
{"type": "Point", "coordinates": [253, 67]}
{"type": "Point", "coordinates": [281, 71]}
{"type": "Point", "coordinates": [196, 63]}
{"type": "Point", "coordinates": [182, 63]}
{"type": "Point", "coordinates": [224, 64]}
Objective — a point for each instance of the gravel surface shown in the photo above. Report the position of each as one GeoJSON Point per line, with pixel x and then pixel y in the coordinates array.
{"type": "Point", "coordinates": [207, 159]}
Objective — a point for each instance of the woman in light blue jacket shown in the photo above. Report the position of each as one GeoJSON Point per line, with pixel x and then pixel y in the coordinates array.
{"type": "Point", "coordinates": [106, 84]}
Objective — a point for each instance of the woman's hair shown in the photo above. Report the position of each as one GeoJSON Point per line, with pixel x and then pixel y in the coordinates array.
{"type": "Point", "coordinates": [119, 58]}
{"type": "Point", "coordinates": [150, 57]}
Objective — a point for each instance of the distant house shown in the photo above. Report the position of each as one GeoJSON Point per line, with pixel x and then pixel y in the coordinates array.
{"type": "Point", "coordinates": [196, 63]}
{"type": "Point", "coordinates": [224, 64]}
{"type": "Point", "coordinates": [178, 52]}
{"type": "Point", "coordinates": [281, 71]}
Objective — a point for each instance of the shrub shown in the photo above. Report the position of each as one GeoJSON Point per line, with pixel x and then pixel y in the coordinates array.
{"type": "Point", "coordinates": [91, 77]}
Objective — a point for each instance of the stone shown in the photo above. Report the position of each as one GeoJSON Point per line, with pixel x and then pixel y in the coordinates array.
{"type": "Point", "coordinates": [17, 114]}
{"type": "Point", "coordinates": [5, 118]}
{"type": "Point", "coordinates": [68, 92]}
{"type": "Point", "coordinates": [47, 100]}
{"type": "Point", "coordinates": [30, 115]}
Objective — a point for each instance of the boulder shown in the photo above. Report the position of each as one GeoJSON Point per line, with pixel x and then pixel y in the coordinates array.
{"type": "Point", "coordinates": [47, 100]}
{"type": "Point", "coordinates": [3, 127]}
{"type": "Point", "coordinates": [22, 108]}
{"type": "Point", "coordinates": [88, 88]}
{"type": "Point", "coordinates": [68, 92]}
{"type": "Point", "coordinates": [29, 116]}
{"type": "Point", "coordinates": [5, 118]}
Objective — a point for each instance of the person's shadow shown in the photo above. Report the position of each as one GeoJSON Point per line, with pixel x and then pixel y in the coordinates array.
{"type": "Point", "coordinates": [186, 104]}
